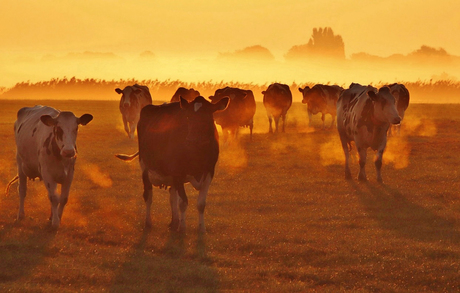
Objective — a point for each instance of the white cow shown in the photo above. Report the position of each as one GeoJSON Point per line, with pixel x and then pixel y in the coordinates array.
{"type": "Point", "coordinates": [46, 148]}
{"type": "Point", "coordinates": [133, 99]}
{"type": "Point", "coordinates": [364, 115]}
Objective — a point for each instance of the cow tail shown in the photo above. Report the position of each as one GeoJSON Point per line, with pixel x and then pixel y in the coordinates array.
{"type": "Point", "coordinates": [128, 158]}
{"type": "Point", "coordinates": [16, 178]}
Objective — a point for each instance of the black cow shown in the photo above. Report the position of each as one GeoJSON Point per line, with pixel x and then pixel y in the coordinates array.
{"type": "Point", "coordinates": [277, 101]}
{"type": "Point", "coordinates": [178, 143]}
{"type": "Point", "coordinates": [239, 113]}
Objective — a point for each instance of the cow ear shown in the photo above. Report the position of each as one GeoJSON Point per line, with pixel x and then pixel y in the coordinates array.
{"type": "Point", "coordinates": [300, 90]}
{"type": "Point", "coordinates": [222, 104]}
{"type": "Point", "coordinates": [184, 104]}
{"type": "Point", "coordinates": [372, 95]}
{"type": "Point", "coordinates": [263, 92]}
{"type": "Point", "coordinates": [48, 120]}
{"type": "Point", "coordinates": [119, 91]}
{"type": "Point", "coordinates": [85, 119]}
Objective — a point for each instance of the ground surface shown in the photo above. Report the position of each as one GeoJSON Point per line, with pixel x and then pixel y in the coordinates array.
{"type": "Point", "coordinates": [280, 216]}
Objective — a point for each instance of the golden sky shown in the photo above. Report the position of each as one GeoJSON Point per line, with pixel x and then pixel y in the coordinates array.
{"type": "Point", "coordinates": [31, 29]}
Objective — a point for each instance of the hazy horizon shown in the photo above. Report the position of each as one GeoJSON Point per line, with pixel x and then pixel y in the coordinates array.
{"type": "Point", "coordinates": [45, 39]}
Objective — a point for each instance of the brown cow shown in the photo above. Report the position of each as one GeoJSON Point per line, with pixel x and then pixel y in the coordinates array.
{"type": "Point", "coordinates": [188, 94]}
{"type": "Point", "coordinates": [133, 99]}
{"type": "Point", "coordinates": [401, 94]}
{"type": "Point", "coordinates": [239, 113]}
{"type": "Point", "coordinates": [364, 115]}
{"type": "Point", "coordinates": [178, 143]}
{"type": "Point", "coordinates": [321, 99]}
{"type": "Point", "coordinates": [277, 101]}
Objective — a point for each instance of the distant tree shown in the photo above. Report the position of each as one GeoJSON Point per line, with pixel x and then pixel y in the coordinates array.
{"type": "Point", "coordinates": [429, 52]}
{"type": "Point", "coordinates": [256, 52]}
{"type": "Point", "coordinates": [322, 43]}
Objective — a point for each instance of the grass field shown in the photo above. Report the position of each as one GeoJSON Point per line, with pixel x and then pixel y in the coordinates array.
{"type": "Point", "coordinates": [280, 216]}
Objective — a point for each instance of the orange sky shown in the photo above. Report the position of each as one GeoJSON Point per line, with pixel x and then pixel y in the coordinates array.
{"type": "Point", "coordinates": [31, 29]}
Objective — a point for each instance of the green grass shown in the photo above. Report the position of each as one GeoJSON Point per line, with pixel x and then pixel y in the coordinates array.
{"type": "Point", "coordinates": [280, 216]}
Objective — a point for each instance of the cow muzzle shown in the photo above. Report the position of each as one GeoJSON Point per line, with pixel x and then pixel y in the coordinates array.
{"type": "Point", "coordinates": [68, 153]}
{"type": "Point", "coordinates": [396, 120]}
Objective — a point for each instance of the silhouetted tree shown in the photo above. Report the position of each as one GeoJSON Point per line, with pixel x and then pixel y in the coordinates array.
{"type": "Point", "coordinates": [430, 51]}
{"type": "Point", "coordinates": [322, 43]}
{"type": "Point", "coordinates": [249, 53]}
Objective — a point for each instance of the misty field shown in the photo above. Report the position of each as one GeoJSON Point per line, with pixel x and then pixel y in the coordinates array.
{"type": "Point", "coordinates": [280, 216]}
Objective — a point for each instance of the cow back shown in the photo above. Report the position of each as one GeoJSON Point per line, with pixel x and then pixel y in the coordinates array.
{"type": "Point", "coordinates": [164, 148]}
{"type": "Point", "coordinates": [277, 99]}
{"type": "Point", "coordinates": [241, 109]}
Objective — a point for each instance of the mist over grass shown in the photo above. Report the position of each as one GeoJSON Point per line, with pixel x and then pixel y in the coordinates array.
{"type": "Point", "coordinates": [431, 91]}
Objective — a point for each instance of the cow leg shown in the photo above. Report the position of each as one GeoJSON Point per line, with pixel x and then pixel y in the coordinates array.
{"type": "Point", "coordinates": [362, 164]}
{"type": "Point", "coordinates": [323, 117]}
{"type": "Point", "coordinates": [251, 126]}
{"type": "Point", "coordinates": [333, 121]}
{"type": "Point", "coordinates": [132, 129]}
{"type": "Point", "coordinates": [22, 189]}
{"type": "Point", "coordinates": [284, 122]}
{"type": "Point", "coordinates": [65, 190]}
{"type": "Point", "coordinates": [277, 120]}
{"type": "Point", "coordinates": [201, 203]}
{"type": "Point", "coordinates": [378, 165]}
{"type": "Point", "coordinates": [173, 196]}
{"type": "Point", "coordinates": [125, 124]}
{"type": "Point", "coordinates": [270, 128]}
{"type": "Point", "coordinates": [148, 194]}
{"type": "Point", "coordinates": [346, 151]}
{"type": "Point", "coordinates": [183, 202]}
{"type": "Point", "coordinates": [54, 200]}
{"type": "Point", "coordinates": [310, 117]}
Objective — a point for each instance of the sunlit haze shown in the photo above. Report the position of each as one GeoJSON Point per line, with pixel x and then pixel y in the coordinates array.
{"type": "Point", "coordinates": [188, 40]}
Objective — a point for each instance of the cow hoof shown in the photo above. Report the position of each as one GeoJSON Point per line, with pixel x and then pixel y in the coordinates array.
{"type": "Point", "coordinates": [362, 178]}
{"type": "Point", "coordinates": [20, 217]}
{"type": "Point", "coordinates": [379, 180]}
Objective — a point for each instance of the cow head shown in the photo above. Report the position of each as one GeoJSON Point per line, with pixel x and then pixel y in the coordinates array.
{"type": "Point", "coordinates": [304, 92]}
{"type": "Point", "coordinates": [65, 128]}
{"type": "Point", "coordinates": [314, 98]}
{"type": "Point", "coordinates": [200, 119]}
{"type": "Point", "coordinates": [385, 106]}
{"type": "Point", "coordinates": [127, 93]}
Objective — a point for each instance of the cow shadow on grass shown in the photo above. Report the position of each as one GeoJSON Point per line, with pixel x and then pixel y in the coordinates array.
{"type": "Point", "coordinates": [165, 268]}
{"type": "Point", "coordinates": [24, 246]}
{"type": "Point", "coordinates": [393, 211]}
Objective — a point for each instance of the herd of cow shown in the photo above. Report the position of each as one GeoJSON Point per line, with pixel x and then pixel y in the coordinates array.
{"type": "Point", "coordinates": [178, 141]}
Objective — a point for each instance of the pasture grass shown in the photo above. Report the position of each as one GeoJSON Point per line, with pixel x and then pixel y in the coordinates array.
{"type": "Point", "coordinates": [280, 216]}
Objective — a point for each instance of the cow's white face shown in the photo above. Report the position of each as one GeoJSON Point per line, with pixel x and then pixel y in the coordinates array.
{"type": "Point", "coordinates": [126, 94]}
{"type": "Point", "coordinates": [65, 129]}
{"type": "Point", "coordinates": [385, 106]}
